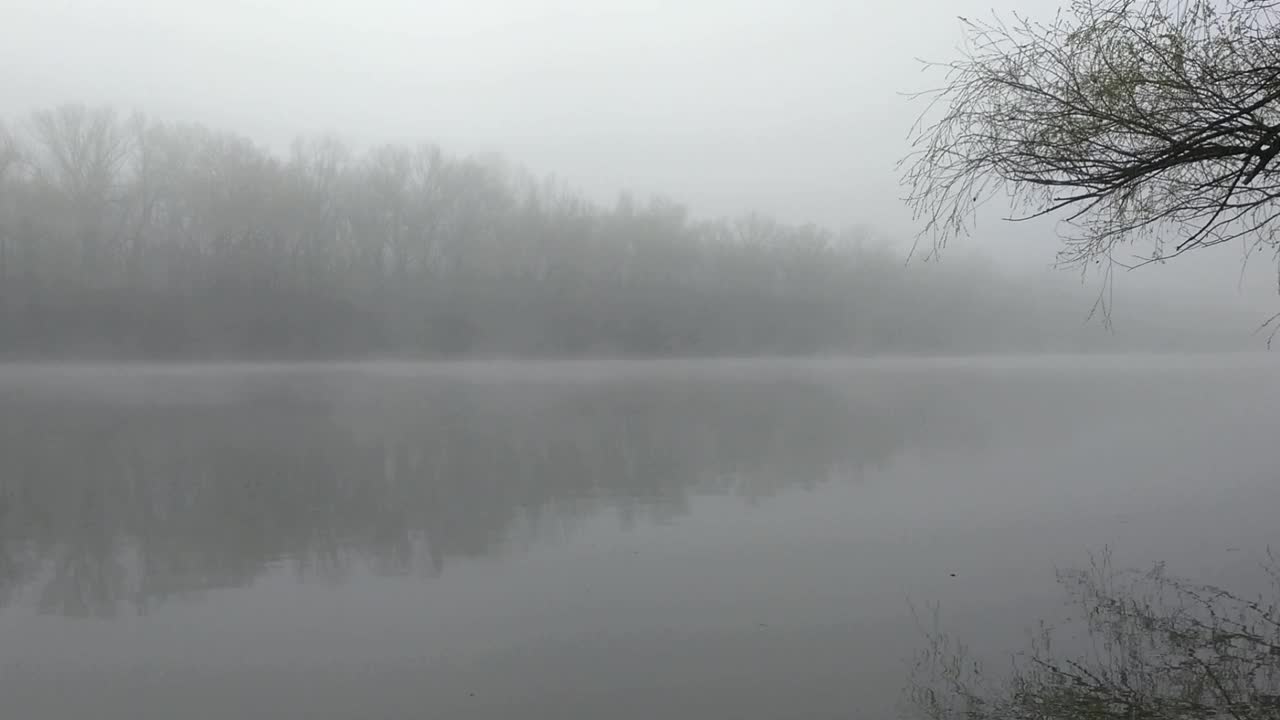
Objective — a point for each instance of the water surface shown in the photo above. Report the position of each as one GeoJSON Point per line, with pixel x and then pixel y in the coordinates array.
{"type": "Point", "coordinates": [625, 540]}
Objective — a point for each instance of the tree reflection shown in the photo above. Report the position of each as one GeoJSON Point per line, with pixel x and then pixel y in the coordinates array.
{"type": "Point", "coordinates": [108, 502]}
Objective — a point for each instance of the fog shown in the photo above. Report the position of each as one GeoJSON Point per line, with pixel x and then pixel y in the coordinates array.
{"type": "Point", "coordinates": [131, 237]}
{"type": "Point", "coordinates": [560, 359]}
{"type": "Point", "coordinates": [726, 107]}
{"type": "Point", "coordinates": [587, 539]}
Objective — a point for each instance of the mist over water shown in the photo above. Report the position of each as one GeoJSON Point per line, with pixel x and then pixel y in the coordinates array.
{"type": "Point", "coordinates": [303, 415]}
{"type": "Point", "coordinates": [574, 539]}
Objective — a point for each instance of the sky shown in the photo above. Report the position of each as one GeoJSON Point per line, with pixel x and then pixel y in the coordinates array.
{"type": "Point", "coordinates": [796, 108]}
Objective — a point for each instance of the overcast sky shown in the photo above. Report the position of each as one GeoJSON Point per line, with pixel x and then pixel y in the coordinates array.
{"type": "Point", "coordinates": [791, 107]}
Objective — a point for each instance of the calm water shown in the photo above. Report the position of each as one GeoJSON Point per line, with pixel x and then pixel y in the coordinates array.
{"type": "Point", "coordinates": [576, 540]}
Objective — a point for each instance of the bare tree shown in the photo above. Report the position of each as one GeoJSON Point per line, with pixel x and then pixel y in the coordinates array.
{"type": "Point", "coordinates": [8, 152]}
{"type": "Point", "coordinates": [1152, 121]}
{"type": "Point", "coordinates": [85, 149]}
{"type": "Point", "coordinates": [1155, 647]}
{"type": "Point", "coordinates": [8, 158]}
{"type": "Point", "coordinates": [151, 238]}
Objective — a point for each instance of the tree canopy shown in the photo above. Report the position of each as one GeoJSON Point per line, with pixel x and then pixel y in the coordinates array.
{"type": "Point", "coordinates": [126, 236]}
{"type": "Point", "coordinates": [1150, 125]}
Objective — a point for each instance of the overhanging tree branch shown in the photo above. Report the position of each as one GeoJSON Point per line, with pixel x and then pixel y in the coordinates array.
{"type": "Point", "coordinates": [1142, 120]}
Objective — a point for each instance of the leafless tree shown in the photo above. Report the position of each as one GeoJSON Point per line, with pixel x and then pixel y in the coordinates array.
{"type": "Point", "coordinates": [82, 152]}
{"type": "Point", "coordinates": [8, 152]}
{"type": "Point", "coordinates": [85, 149]}
{"type": "Point", "coordinates": [1155, 647]}
{"type": "Point", "coordinates": [1149, 122]}
{"type": "Point", "coordinates": [148, 238]}
{"type": "Point", "coordinates": [9, 157]}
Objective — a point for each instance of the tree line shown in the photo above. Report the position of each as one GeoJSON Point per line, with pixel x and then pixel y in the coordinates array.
{"type": "Point", "coordinates": [124, 236]}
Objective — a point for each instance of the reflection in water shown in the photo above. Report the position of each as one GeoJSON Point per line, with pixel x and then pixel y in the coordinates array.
{"type": "Point", "coordinates": [136, 490]}
{"type": "Point", "coordinates": [123, 502]}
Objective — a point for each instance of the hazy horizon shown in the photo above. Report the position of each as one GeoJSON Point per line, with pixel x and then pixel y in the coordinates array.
{"type": "Point", "coordinates": [576, 359]}
{"type": "Point", "coordinates": [126, 236]}
{"type": "Point", "coordinates": [727, 107]}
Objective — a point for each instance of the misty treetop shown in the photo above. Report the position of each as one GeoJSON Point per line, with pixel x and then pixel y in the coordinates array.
{"type": "Point", "coordinates": [127, 237]}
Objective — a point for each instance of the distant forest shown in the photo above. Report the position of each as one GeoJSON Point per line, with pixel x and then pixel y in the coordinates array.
{"type": "Point", "coordinates": [125, 237]}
